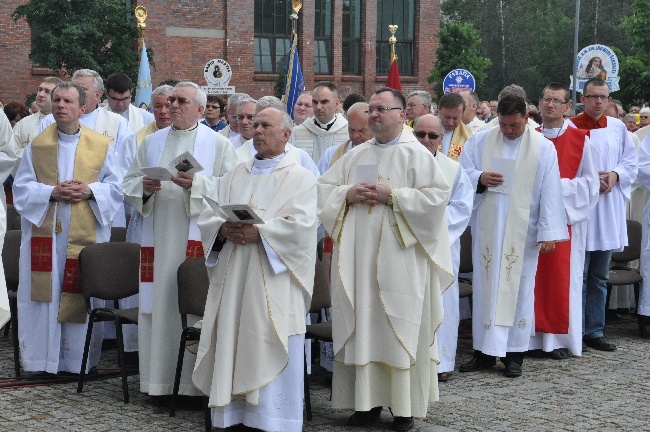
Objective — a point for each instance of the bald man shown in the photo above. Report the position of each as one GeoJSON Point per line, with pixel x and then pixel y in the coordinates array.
{"type": "Point", "coordinates": [358, 130]}
{"type": "Point", "coordinates": [429, 131]}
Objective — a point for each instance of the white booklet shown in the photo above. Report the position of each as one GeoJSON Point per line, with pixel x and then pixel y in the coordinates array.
{"type": "Point", "coordinates": [185, 162]}
{"type": "Point", "coordinates": [241, 213]}
{"type": "Point", "coordinates": [367, 174]}
{"type": "Point", "coordinates": [505, 167]}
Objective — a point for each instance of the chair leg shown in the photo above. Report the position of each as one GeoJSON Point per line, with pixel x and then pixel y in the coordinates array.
{"type": "Point", "coordinates": [13, 306]}
{"type": "Point", "coordinates": [84, 361]}
{"type": "Point", "coordinates": [120, 356]}
{"type": "Point", "coordinates": [471, 303]}
{"type": "Point", "coordinates": [207, 414]}
{"type": "Point", "coordinates": [307, 395]}
{"type": "Point", "coordinates": [179, 368]}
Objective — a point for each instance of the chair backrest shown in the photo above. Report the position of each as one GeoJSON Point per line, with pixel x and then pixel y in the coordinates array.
{"type": "Point", "coordinates": [321, 297]}
{"type": "Point", "coordinates": [11, 258]}
{"type": "Point", "coordinates": [466, 265]}
{"type": "Point", "coordinates": [110, 271]}
{"type": "Point", "coordinates": [11, 214]}
{"type": "Point", "coordinates": [118, 234]}
{"type": "Point", "coordinates": [632, 251]}
{"type": "Point", "coordinates": [193, 285]}
{"type": "Point", "coordinates": [14, 224]}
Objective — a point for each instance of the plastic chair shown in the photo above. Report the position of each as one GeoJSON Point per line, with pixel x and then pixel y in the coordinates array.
{"type": "Point", "coordinates": [109, 271]}
{"type": "Point", "coordinates": [11, 264]}
{"type": "Point", "coordinates": [193, 285]}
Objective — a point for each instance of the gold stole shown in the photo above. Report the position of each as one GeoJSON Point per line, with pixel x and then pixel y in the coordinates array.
{"type": "Point", "coordinates": [89, 158]}
{"type": "Point", "coordinates": [340, 151]}
{"type": "Point", "coordinates": [461, 134]}
{"type": "Point", "coordinates": [516, 226]}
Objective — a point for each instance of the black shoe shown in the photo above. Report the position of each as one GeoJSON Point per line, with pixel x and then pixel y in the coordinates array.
{"type": "Point", "coordinates": [512, 370]}
{"type": "Point", "coordinates": [600, 344]}
{"type": "Point", "coordinates": [403, 423]}
{"type": "Point", "coordinates": [479, 362]}
{"type": "Point", "coordinates": [364, 418]}
{"type": "Point", "coordinates": [559, 354]}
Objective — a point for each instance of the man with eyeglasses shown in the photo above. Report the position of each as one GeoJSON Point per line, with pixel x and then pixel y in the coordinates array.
{"type": "Point", "coordinates": [118, 92]}
{"type": "Point", "coordinates": [245, 118]}
{"type": "Point", "coordinates": [418, 103]}
{"type": "Point", "coordinates": [326, 128]}
{"type": "Point", "coordinates": [212, 116]}
{"type": "Point", "coordinates": [518, 213]}
{"type": "Point", "coordinates": [558, 283]}
{"type": "Point", "coordinates": [616, 160]}
{"type": "Point", "coordinates": [390, 266]}
{"type": "Point", "coordinates": [450, 111]}
{"type": "Point", "coordinates": [428, 131]}
{"type": "Point", "coordinates": [644, 123]}
{"type": "Point", "coordinates": [232, 130]}
{"type": "Point", "coordinates": [170, 233]}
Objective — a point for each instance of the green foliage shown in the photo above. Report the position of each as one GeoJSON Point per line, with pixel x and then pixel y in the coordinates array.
{"type": "Point", "coordinates": [29, 99]}
{"type": "Point", "coordinates": [278, 88]}
{"type": "Point", "coordinates": [76, 34]}
{"type": "Point", "coordinates": [459, 48]}
{"type": "Point", "coordinates": [636, 27]}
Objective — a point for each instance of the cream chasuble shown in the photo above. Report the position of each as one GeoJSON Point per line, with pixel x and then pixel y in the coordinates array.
{"type": "Point", "coordinates": [314, 140]}
{"type": "Point", "coordinates": [252, 309]}
{"type": "Point", "coordinates": [389, 269]}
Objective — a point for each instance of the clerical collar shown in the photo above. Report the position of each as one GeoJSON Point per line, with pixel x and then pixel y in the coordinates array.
{"type": "Point", "coordinates": [186, 130]}
{"type": "Point", "coordinates": [327, 125]}
{"type": "Point", "coordinates": [68, 137]}
{"type": "Point", "coordinates": [260, 158]}
{"type": "Point", "coordinates": [391, 142]}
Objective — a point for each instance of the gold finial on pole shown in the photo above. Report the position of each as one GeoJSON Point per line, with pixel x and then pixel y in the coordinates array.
{"type": "Point", "coordinates": [141, 15]}
{"type": "Point", "coordinates": [392, 41]}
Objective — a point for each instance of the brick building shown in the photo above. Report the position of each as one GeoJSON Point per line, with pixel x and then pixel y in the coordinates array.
{"type": "Point", "coordinates": [344, 41]}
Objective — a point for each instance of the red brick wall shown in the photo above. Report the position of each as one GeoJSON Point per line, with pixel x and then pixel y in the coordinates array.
{"type": "Point", "coordinates": [183, 58]}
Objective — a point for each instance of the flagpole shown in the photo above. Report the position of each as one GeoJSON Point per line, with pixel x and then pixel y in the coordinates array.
{"type": "Point", "coordinates": [296, 5]}
{"type": "Point", "coordinates": [392, 40]}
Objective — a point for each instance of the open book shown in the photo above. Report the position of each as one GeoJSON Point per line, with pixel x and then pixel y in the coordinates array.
{"type": "Point", "coordinates": [241, 213]}
{"type": "Point", "coordinates": [185, 162]}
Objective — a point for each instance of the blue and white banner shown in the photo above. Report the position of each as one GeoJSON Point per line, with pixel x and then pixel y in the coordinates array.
{"type": "Point", "coordinates": [458, 80]}
{"type": "Point", "coordinates": [597, 61]}
{"type": "Point", "coordinates": [143, 88]}
{"type": "Point", "coordinates": [293, 77]}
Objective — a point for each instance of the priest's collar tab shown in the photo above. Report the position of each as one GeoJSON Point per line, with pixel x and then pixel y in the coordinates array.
{"type": "Point", "coordinates": [327, 125]}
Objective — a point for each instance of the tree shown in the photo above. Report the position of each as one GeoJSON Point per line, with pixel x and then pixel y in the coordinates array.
{"type": "Point", "coordinates": [459, 48]}
{"type": "Point", "coordinates": [76, 34]}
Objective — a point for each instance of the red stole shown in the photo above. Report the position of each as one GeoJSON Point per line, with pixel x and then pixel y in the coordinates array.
{"type": "Point", "coordinates": [553, 278]}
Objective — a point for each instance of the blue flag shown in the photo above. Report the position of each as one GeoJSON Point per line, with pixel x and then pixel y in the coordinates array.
{"type": "Point", "coordinates": [293, 77]}
{"type": "Point", "coordinates": [143, 89]}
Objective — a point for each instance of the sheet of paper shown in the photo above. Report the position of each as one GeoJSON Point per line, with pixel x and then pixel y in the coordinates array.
{"type": "Point", "coordinates": [505, 167]}
{"type": "Point", "coordinates": [367, 174]}
{"type": "Point", "coordinates": [241, 213]}
{"type": "Point", "coordinates": [158, 173]}
{"type": "Point", "coordinates": [185, 162]}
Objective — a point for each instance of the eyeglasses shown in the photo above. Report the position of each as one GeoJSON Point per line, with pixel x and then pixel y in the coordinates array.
{"type": "Point", "coordinates": [247, 116]}
{"type": "Point", "coordinates": [596, 97]}
{"type": "Point", "coordinates": [232, 116]}
{"type": "Point", "coordinates": [421, 134]}
{"type": "Point", "coordinates": [381, 110]}
{"type": "Point", "coordinates": [553, 101]}
{"type": "Point", "coordinates": [208, 106]}
{"type": "Point", "coordinates": [181, 100]}
{"type": "Point", "coordinates": [644, 116]}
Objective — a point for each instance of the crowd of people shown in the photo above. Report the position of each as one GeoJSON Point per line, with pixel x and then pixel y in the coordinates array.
{"type": "Point", "coordinates": [379, 190]}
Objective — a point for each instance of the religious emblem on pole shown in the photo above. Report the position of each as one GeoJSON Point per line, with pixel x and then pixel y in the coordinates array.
{"type": "Point", "coordinates": [141, 16]}
{"type": "Point", "coordinates": [393, 80]}
{"type": "Point", "coordinates": [293, 83]}
{"type": "Point", "coordinates": [143, 89]}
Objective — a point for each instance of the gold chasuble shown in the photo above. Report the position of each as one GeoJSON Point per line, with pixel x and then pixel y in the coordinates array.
{"type": "Point", "coordinates": [89, 158]}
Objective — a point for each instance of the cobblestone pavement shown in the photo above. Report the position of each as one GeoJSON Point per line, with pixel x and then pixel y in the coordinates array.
{"type": "Point", "coordinates": [598, 392]}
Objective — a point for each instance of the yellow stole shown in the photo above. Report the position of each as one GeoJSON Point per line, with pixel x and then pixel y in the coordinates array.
{"type": "Point", "coordinates": [339, 152]}
{"type": "Point", "coordinates": [461, 134]}
{"type": "Point", "coordinates": [89, 158]}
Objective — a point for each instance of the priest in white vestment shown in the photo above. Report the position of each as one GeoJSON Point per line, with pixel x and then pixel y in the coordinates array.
{"type": "Point", "coordinates": [643, 308]}
{"type": "Point", "coordinates": [515, 174]}
{"type": "Point", "coordinates": [169, 232]}
{"type": "Point", "coordinates": [558, 287]}
{"type": "Point", "coordinates": [250, 354]}
{"type": "Point", "coordinates": [429, 131]}
{"type": "Point", "coordinates": [232, 130]}
{"type": "Point", "coordinates": [616, 160]}
{"type": "Point", "coordinates": [391, 263]}
{"type": "Point", "coordinates": [472, 102]}
{"type": "Point", "coordinates": [67, 191]}
{"type": "Point", "coordinates": [118, 92]}
{"type": "Point", "coordinates": [8, 150]}
{"type": "Point", "coordinates": [326, 128]}
{"type": "Point", "coordinates": [450, 111]}
{"type": "Point", "coordinates": [27, 128]}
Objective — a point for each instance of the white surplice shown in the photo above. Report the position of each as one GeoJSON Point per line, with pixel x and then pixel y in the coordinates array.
{"type": "Point", "coordinates": [135, 116]}
{"type": "Point", "coordinates": [389, 269]}
{"type": "Point", "coordinates": [644, 178]}
{"type": "Point", "coordinates": [314, 140]}
{"type": "Point", "coordinates": [580, 195]}
{"type": "Point", "coordinates": [458, 212]}
{"type": "Point", "coordinates": [159, 333]}
{"type": "Point", "coordinates": [250, 360]}
{"type": "Point", "coordinates": [8, 156]}
{"type": "Point", "coordinates": [45, 344]}
{"type": "Point", "coordinates": [25, 131]}
{"type": "Point", "coordinates": [247, 151]}
{"type": "Point", "coordinates": [546, 223]}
